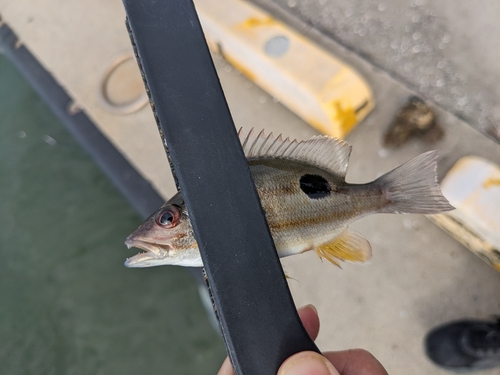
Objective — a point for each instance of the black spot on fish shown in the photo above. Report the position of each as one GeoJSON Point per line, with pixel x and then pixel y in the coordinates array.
{"type": "Point", "coordinates": [316, 187]}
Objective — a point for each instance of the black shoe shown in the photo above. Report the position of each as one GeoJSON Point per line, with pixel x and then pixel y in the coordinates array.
{"type": "Point", "coordinates": [466, 345]}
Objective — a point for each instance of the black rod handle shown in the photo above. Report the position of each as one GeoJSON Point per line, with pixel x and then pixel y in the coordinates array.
{"type": "Point", "coordinates": [260, 325]}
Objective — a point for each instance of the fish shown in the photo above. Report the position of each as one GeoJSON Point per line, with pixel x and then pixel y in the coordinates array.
{"type": "Point", "coordinates": [307, 202]}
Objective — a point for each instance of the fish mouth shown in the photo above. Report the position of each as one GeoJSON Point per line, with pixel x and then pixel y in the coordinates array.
{"type": "Point", "coordinates": [153, 253]}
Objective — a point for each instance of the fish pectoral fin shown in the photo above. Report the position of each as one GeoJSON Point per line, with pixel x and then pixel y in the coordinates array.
{"type": "Point", "coordinates": [350, 246]}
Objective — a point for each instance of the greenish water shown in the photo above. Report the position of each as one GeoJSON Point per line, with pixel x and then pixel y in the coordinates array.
{"type": "Point", "coordinates": [67, 303]}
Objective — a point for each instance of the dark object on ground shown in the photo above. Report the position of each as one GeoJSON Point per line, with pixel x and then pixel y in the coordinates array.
{"type": "Point", "coordinates": [414, 119]}
{"type": "Point", "coordinates": [465, 345]}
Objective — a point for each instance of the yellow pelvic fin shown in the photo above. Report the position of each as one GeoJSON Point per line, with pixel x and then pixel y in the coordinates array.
{"type": "Point", "coordinates": [350, 246]}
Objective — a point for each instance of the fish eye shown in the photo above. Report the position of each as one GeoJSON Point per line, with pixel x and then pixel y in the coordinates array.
{"type": "Point", "coordinates": [168, 217]}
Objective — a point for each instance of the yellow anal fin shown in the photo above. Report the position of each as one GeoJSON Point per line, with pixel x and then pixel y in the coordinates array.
{"type": "Point", "coordinates": [350, 246]}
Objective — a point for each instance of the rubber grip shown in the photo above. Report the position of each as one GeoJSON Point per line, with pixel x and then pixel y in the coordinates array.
{"type": "Point", "coordinates": [257, 316]}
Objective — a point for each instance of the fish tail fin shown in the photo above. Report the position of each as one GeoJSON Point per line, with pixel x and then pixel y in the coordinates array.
{"type": "Point", "coordinates": [412, 188]}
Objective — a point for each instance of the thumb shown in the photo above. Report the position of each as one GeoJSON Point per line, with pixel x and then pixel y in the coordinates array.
{"type": "Point", "coordinates": [307, 363]}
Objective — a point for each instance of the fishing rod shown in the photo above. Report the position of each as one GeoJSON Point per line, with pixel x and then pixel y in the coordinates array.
{"type": "Point", "coordinates": [255, 310]}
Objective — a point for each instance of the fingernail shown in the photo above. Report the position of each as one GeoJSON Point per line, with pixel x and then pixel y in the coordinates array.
{"type": "Point", "coordinates": [307, 363]}
{"type": "Point", "coordinates": [308, 307]}
{"type": "Point", "coordinates": [312, 307]}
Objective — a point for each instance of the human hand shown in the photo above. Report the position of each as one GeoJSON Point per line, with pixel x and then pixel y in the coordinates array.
{"type": "Point", "coordinates": [346, 362]}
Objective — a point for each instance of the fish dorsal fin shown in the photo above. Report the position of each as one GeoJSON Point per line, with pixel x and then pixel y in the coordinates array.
{"type": "Point", "coordinates": [321, 151]}
{"type": "Point", "coordinates": [350, 246]}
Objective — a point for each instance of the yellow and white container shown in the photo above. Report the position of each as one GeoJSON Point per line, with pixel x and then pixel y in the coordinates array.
{"type": "Point", "coordinates": [473, 187]}
{"type": "Point", "coordinates": [318, 87]}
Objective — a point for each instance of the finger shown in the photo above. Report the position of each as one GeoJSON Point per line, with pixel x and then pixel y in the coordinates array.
{"type": "Point", "coordinates": [226, 368]}
{"type": "Point", "coordinates": [309, 317]}
{"type": "Point", "coordinates": [307, 363]}
{"type": "Point", "coordinates": [355, 362]}
{"type": "Point", "coordinates": [310, 320]}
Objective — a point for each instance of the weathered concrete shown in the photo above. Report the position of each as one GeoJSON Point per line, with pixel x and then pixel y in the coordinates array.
{"type": "Point", "coordinates": [447, 51]}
